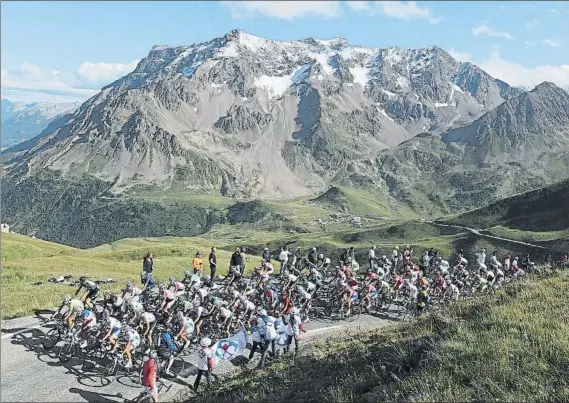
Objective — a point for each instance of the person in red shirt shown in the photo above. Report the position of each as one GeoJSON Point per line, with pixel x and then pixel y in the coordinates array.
{"type": "Point", "coordinates": [149, 371]}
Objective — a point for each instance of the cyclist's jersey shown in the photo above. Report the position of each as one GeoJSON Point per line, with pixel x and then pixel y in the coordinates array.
{"type": "Point", "coordinates": [133, 337]}
{"type": "Point", "coordinates": [499, 273]}
{"type": "Point", "coordinates": [398, 282]}
{"type": "Point", "coordinates": [195, 279]}
{"type": "Point", "coordinates": [310, 286]}
{"type": "Point", "coordinates": [292, 277]}
{"type": "Point", "coordinates": [200, 312]}
{"type": "Point", "coordinates": [75, 305]}
{"type": "Point", "coordinates": [454, 290]}
{"type": "Point", "coordinates": [384, 287]}
{"type": "Point", "coordinates": [89, 318]}
{"type": "Point", "coordinates": [114, 324]}
{"type": "Point", "coordinates": [188, 325]}
{"type": "Point", "coordinates": [118, 302]}
{"type": "Point", "coordinates": [371, 290]}
{"type": "Point", "coordinates": [490, 275]}
{"type": "Point", "coordinates": [90, 286]}
{"type": "Point", "coordinates": [236, 295]}
{"type": "Point", "coordinates": [249, 306]}
{"type": "Point", "coordinates": [373, 276]}
{"type": "Point", "coordinates": [148, 317]}
{"type": "Point", "coordinates": [137, 306]}
{"type": "Point", "coordinates": [226, 313]}
{"type": "Point", "coordinates": [169, 295]}
{"type": "Point", "coordinates": [179, 286]}
{"type": "Point", "coordinates": [203, 292]}
{"type": "Point", "coordinates": [482, 281]}
{"type": "Point", "coordinates": [423, 281]}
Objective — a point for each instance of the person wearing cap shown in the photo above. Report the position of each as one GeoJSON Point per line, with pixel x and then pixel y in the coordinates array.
{"type": "Point", "coordinates": [149, 371]}
{"type": "Point", "coordinates": [205, 363]}
{"type": "Point", "coordinates": [197, 264]}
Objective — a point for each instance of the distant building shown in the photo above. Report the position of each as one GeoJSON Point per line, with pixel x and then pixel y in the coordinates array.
{"type": "Point", "coordinates": [5, 227]}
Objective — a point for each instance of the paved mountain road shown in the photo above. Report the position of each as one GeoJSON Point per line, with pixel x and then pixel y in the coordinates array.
{"type": "Point", "coordinates": [29, 373]}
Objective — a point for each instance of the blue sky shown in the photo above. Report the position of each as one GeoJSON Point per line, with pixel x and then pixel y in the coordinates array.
{"type": "Point", "coordinates": [68, 50]}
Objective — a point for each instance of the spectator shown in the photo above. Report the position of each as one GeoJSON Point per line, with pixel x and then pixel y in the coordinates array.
{"type": "Point", "coordinates": [212, 262]}
{"type": "Point", "coordinates": [266, 255]}
{"type": "Point", "coordinates": [147, 264]}
{"type": "Point", "coordinates": [197, 264]}
{"type": "Point", "coordinates": [235, 263]}
{"type": "Point", "coordinates": [149, 377]}
{"type": "Point", "coordinates": [205, 363]}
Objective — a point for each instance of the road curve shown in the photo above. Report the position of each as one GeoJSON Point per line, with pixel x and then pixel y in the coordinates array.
{"type": "Point", "coordinates": [31, 374]}
{"type": "Point", "coordinates": [477, 232]}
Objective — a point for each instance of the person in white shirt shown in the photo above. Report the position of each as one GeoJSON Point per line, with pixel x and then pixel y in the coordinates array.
{"type": "Point", "coordinates": [481, 257]}
{"type": "Point", "coordinates": [395, 256]}
{"type": "Point", "coordinates": [205, 363]}
{"type": "Point", "coordinates": [293, 329]}
{"type": "Point", "coordinates": [371, 257]}
{"type": "Point", "coordinates": [283, 258]}
{"type": "Point", "coordinates": [259, 334]}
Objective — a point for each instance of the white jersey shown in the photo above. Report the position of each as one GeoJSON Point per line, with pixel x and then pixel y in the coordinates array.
{"type": "Point", "coordinates": [371, 254]}
{"type": "Point", "coordinates": [394, 254]}
{"type": "Point", "coordinates": [270, 331]}
{"type": "Point", "coordinates": [413, 291]}
{"type": "Point", "coordinates": [226, 313]}
{"type": "Point", "coordinates": [480, 258]}
{"type": "Point", "coordinates": [114, 323]}
{"type": "Point", "coordinates": [188, 325]}
{"type": "Point", "coordinates": [148, 317]}
{"type": "Point", "coordinates": [291, 329]}
{"type": "Point", "coordinates": [137, 306]}
{"type": "Point", "coordinates": [133, 337]}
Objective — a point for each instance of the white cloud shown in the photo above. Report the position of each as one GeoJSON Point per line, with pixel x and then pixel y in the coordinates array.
{"type": "Point", "coordinates": [287, 10]}
{"type": "Point", "coordinates": [359, 6]}
{"type": "Point", "coordinates": [551, 43]}
{"type": "Point", "coordinates": [532, 23]}
{"type": "Point", "coordinates": [407, 11]}
{"type": "Point", "coordinates": [460, 56]}
{"type": "Point", "coordinates": [484, 29]}
{"type": "Point", "coordinates": [102, 73]}
{"type": "Point", "coordinates": [517, 75]}
{"type": "Point", "coordinates": [28, 82]}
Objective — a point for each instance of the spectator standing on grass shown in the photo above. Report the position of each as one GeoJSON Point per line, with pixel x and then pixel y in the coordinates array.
{"type": "Point", "coordinates": [205, 363]}
{"type": "Point", "coordinates": [212, 262]}
{"type": "Point", "coordinates": [147, 265]}
{"type": "Point", "coordinates": [371, 257]}
{"type": "Point", "coordinates": [283, 258]}
{"type": "Point", "coordinates": [197, 264]}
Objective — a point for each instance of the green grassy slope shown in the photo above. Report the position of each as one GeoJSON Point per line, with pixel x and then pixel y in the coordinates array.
{"type": "Point", "coordinates": [512, 346]}
{"type": "Point", "coordinates": [545, 209]}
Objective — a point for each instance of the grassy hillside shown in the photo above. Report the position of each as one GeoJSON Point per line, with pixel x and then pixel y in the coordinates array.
{"type": "Point", "coordinates": [26, 261]}
{"type": "Point", "coordinates": [545, 209]}
{"type": "Point", "coordinates": [511, 346]}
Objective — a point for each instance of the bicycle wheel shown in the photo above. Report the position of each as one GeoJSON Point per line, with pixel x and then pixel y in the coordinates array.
{"type": "Point", "coordinates": [356, 312]}
{"type": "Point", "coordinates": [109, 373]}
{"type": "Point", "coordinates": [67, 351]}
{"type": "Point", "coordinates": [51, 338]}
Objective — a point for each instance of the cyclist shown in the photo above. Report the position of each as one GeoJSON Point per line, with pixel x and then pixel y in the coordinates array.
{"type": "Point", "coordinates": [76, 306]}
{"type": "Point", "coordinates": [92, 291]}
{"type": "Point", "coordinates": [187, 327]}
{"type": "Point", "coordinates": [178, 286]}
{"type": "Point", "coordinates": [133, 341]}
{"type": "Point", "coordinates": [114, 326]}
{"type": "Point", "coordinates": [147, 323]}
{"type": "Point", "coordinates": [371, 293]}
{"type": "Point", "coordinates": [89, 322]}
{"type": "Point", "coordinates": [168, 301]}
{"type": "Point", "coordinates": [170, 350]}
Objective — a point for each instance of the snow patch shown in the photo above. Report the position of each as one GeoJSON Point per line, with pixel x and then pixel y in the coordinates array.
{"type": "Point", "coordinates": [402, 81]}
{"type": "Point", "coordinates": [252, 42]}
{"type": "Point", "coordinates": [382, 111]}
{"type": "Point", "coordinates": [360, 75]}
{"type": "Point", "coordinates": [218, 85]}
{"type": "Point", "coordinates": [457, 88]}
{"type": "Point", "coordinates": [229, 51]}
{"type": "Point", "coordinates": [439, 105]}
{"type": "Point", "coordinates": [323, 60]}
{"type": "Point", "coordinates": [276, 86]}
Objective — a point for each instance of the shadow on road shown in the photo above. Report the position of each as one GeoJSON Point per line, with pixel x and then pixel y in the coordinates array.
{"type": "Point", "coordinates": [97, 397]}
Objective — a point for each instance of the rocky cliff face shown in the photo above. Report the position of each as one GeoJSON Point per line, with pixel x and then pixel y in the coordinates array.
{"type": "Point", "coordinates": [246, 116]}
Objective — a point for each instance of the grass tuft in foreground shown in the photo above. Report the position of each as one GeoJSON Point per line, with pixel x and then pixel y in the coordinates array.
{"type": "Point", "coordinates": [512, 346]}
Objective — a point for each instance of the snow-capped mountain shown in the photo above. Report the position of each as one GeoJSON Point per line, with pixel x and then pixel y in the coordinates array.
{"type": "Point", "coordinates": [23, 121]}
{"type": "Point", "coordinates": [247, 116]}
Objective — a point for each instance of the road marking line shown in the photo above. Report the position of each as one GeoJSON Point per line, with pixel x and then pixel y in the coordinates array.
{"type": "Point", "coordinates": [20, 331]}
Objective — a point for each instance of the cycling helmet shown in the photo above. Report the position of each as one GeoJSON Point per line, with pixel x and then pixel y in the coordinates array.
{"type": "Point", "coordinates": [106, 316]}
{"type": "Point", "coordinates": [215, 301]}
{"type": "Point", "coordinates": [153, 354]}
{"type": "Point", "coordinates": [107, 293]}
{"type": "Point", "coordinates": [124, 329]}
{"type": "Point", "coordinates": [262, 312]}
{"type": "Point", "coordinates": [179, 315]}
{"type": "Point", "coordinates": [314, 248]}
{"type": "Point", "coordinates": [172, 280]}
{"type": "Point", "coordinates": [321, 256]}
{"type": "Point", "coordinates": [295, 311]}
{"type": "Point", "coordinates": [82, 279]}
{"type": "Point", "coordinates": [187, 273]}
{"type": "Point", "coordinates": [383, 257]}
{"type": "Point", "coordinates": [266, 249]}
{"type": "Point", "coordinates": [205, 342]}
{"type": "Point", "coordinates": [78, 309]}
{"type": "Point", "coordinates": [327, 261]}
{"type": "Point", "coordinates": [67, 299]}
{"type": "Point", "coordinates": [86, 312]}
{"type": "Point", "coordinates": [397, 248]}
{"type": "Point", "coordinates": [129, 285]}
